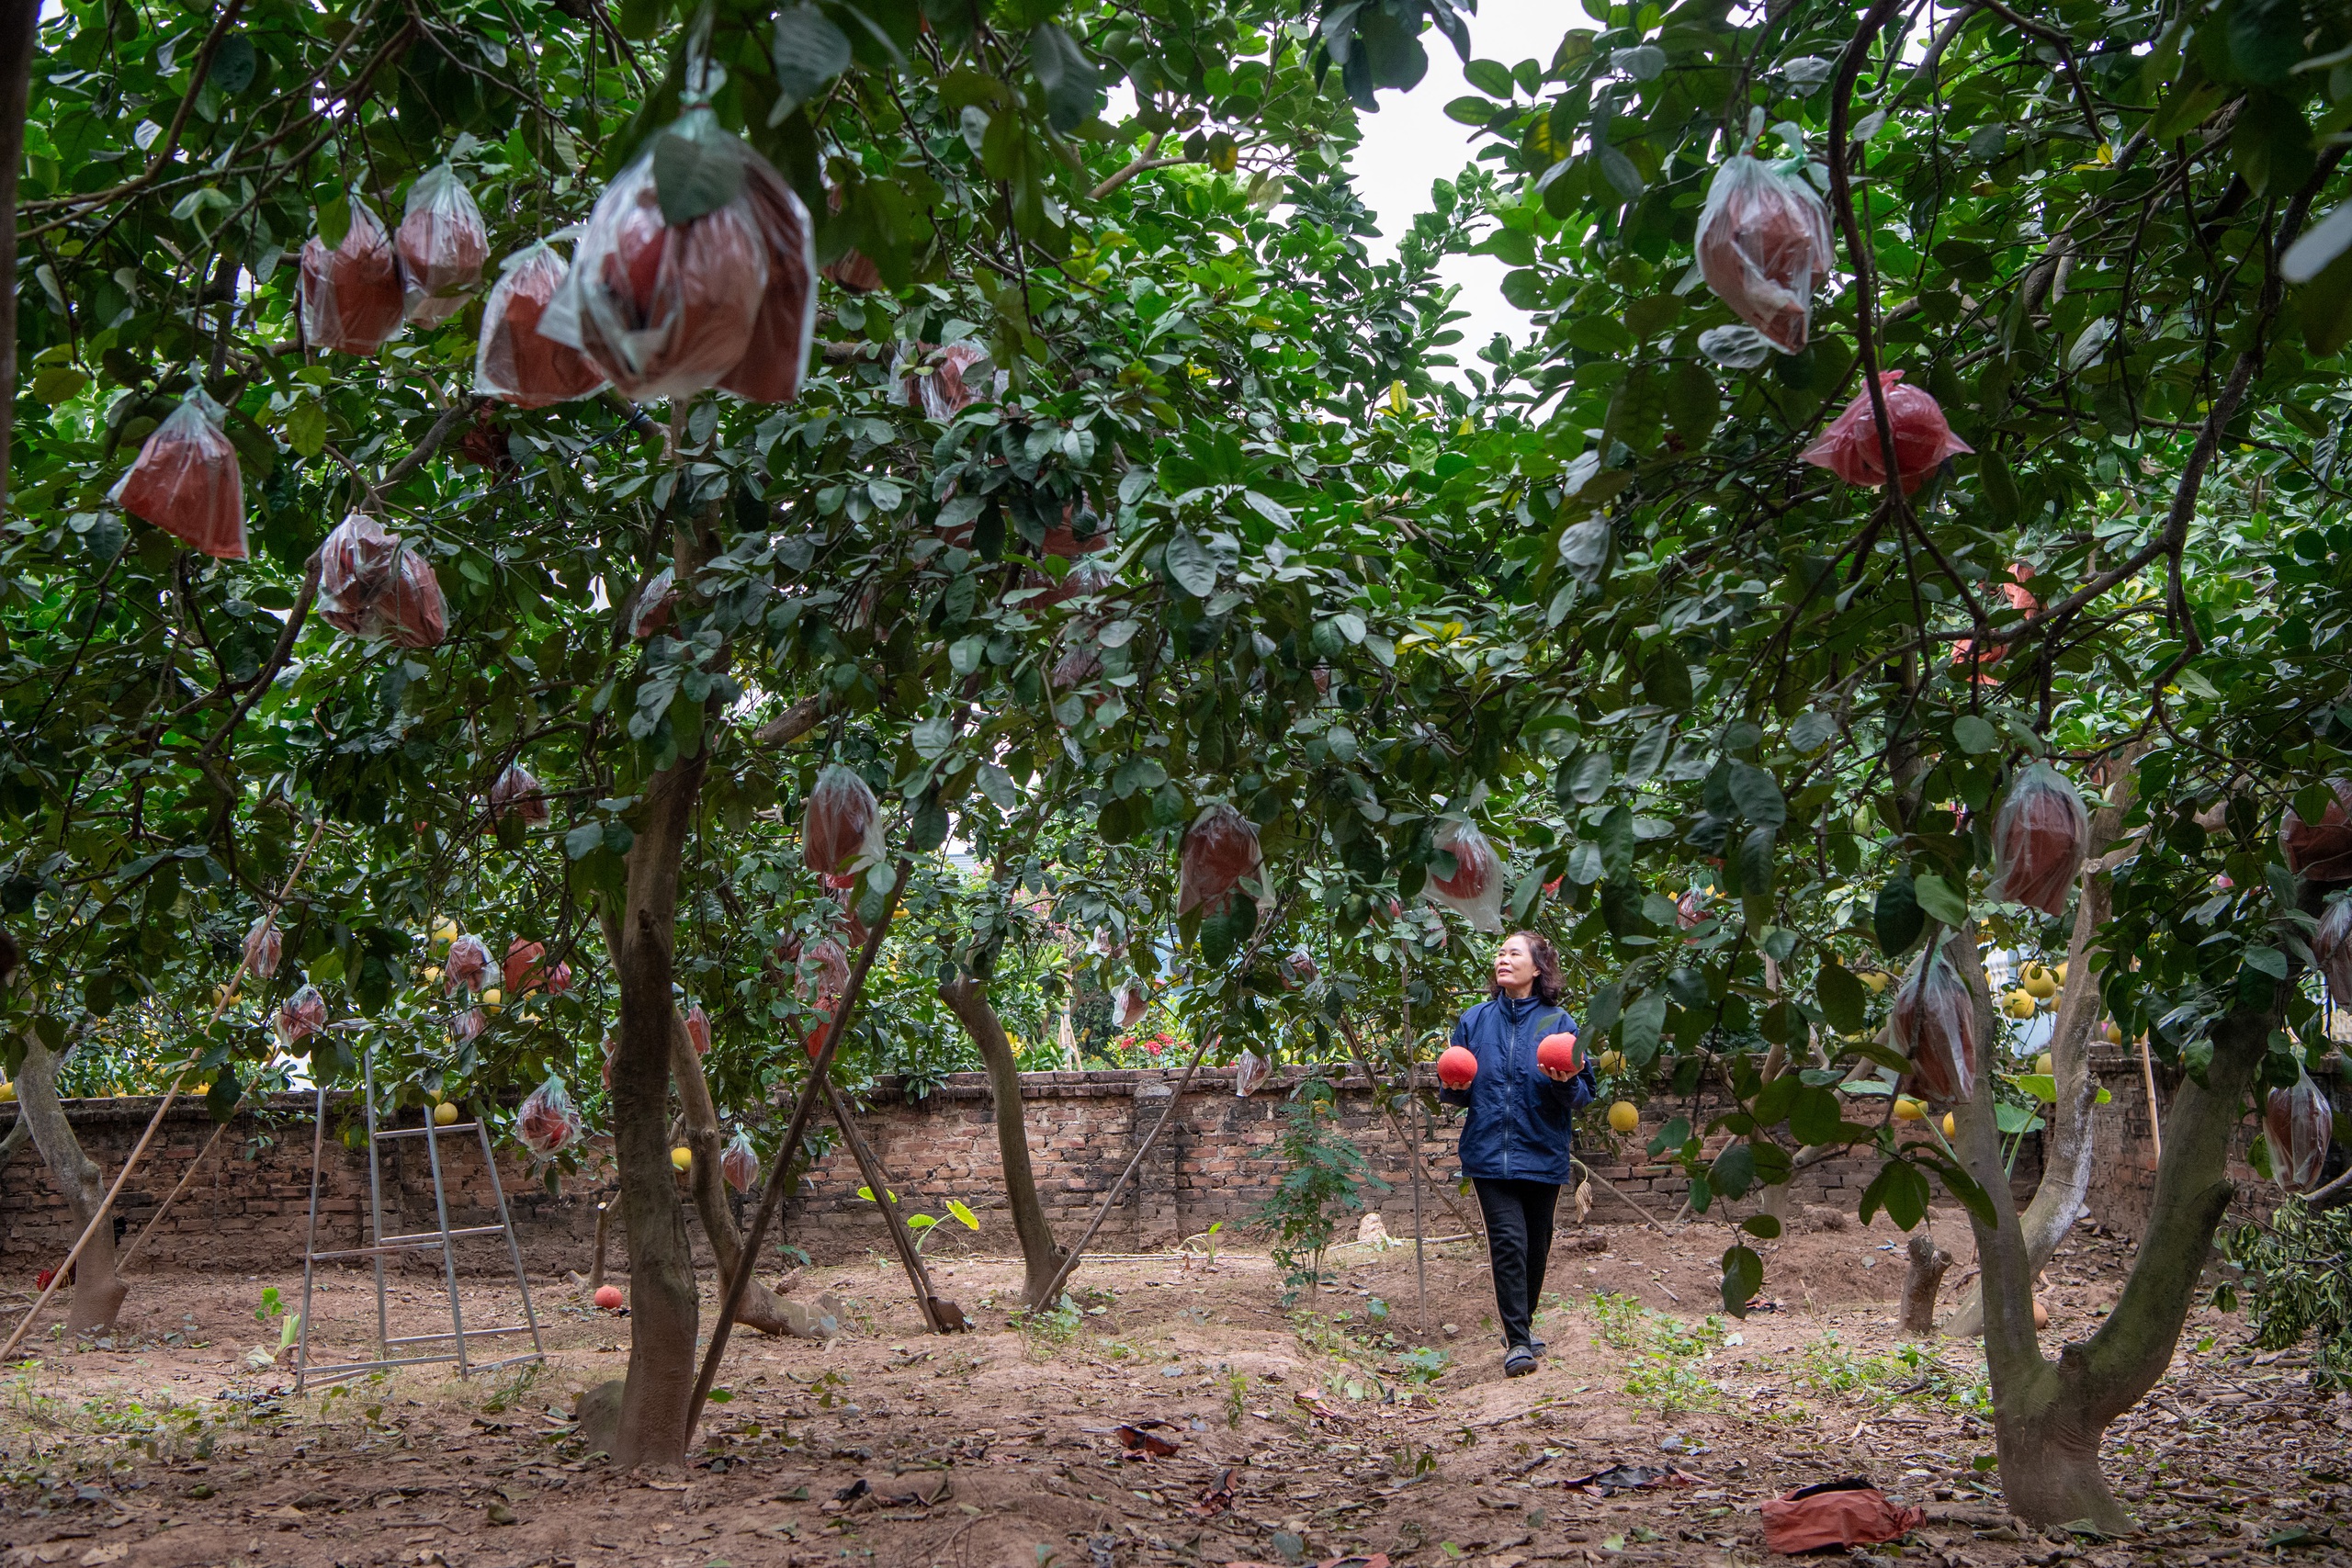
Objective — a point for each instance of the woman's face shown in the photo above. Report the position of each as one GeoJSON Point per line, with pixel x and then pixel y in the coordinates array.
{"type": "Point", "coordinates": [1515, 966]}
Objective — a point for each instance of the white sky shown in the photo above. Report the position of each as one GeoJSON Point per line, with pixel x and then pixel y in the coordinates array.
{"type": "Point", "coordinates": [1410, 143]}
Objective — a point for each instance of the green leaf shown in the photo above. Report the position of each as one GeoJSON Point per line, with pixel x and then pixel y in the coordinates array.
{"type": "Point", "coordinates": [1896, 918]}
{"type": "Point", "coordinates": [1073, 87]}
{"type": "Point", "coordinates": [1901, 1191]}
{"type": "Point", "coordinates": [1758, 795]}
{"type": "Point", "coordinates": [334, 221]}
{"type": "Point", "coordinates": [1818, 1117]}
{"type": "Point", "coordinates": [1586, 549]}
{"type": "Point", "coordinates": [1756, 864]}
{"type": "Point", "coordinates": [306, 427]}
{"type": "Point", "coordinates": [809, 52]}
{"type": "Point", "coordinates": [1974, 735]}
{"type": "Point", "coordinates": [58, 384]}
{"type": "Point", "coordinates": [1733, 1171]}
{"type": "Point", "coordinates": [1665, 680]}
{"type": "Point", "coordinates": [1969, 1192]}
{"type": "Point", "coordinates": [2041, 1085]}
{"type": "Point", "coordinates": [1844, 1003]}
{"type": "Point", "coordinates": [233, 64]}
{"type": "Point", "coordinates": [1764, 1227]}
{"type": "Point", "coordinates": [1743, 1277]}
{"type": "Point", "coordinates": [639, 17]}
{"type": "Point", "coordinates": [1490, 78]}
{"type": "Point", "coordinates": [1941, 901]}
{"type": "Point", "coordinates": [1673, 1136]}
{"type": "Point", "coordinates": [693, 177]}
{"type": "Point", "coordinates": [1190, 564]}
{"type": "Point", "coordinates": [970, 1220]}
{"type": "Point", "coordinates": [1639, 1033]}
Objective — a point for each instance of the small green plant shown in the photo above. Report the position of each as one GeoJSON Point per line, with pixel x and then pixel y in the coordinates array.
{"type": "Point", "coordinates": [1425, 1365]}
{"type": "Point", "coordinates": [2298, 1284]}
{"type": "Point", "coordinates": [1325, 1178]}
{"type": "Point", "coordinates": [1663, 1371]}
{"type": "Point", "coordinates": [1829, 1369]}
{"type": "Point", "coordinates": [1237, 1396]}
{"type": "Point", "coordinates": [923, 1225]}
{"type": "Point", "coordinates": [1044, 1332]}
{"type": "Point", "coordinates": [1618, 1320]}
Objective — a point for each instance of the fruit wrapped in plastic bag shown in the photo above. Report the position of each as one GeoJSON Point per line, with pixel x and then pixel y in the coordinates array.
{"type": "Point", "coordinates": [468, 966]}
{"type": "Point", "coordinates": [2321, 851]}
{"type": "Point", "coordinates": [441, 246]}
{"type": "Point", "coordinates": [520, 968]}
{"type": "Point", "coordinates": [2332, 950]}
{"type": "Point", "coordinates": [468, 1025]}
{"type": "Point", "coordinates": [372, 585]}
{"type": "Point", "coordinates": [1130, 1002]}
{"type": "Point", "coordinates": [841, 825]}
{"type": "Point", "coordinates": [698, 1029]}
{"type": "Point", "coordinates": [352, 299]}
{"type": "Point", "coordinates": [852, 927]}
{"type": "Point", "coordinates": [669, 287]}
{"type": "Point", "coordinates": [654, 602]}
{"type": "Point", "coordinates": [2299, 1122]}
{"type": "Point", "coordinates": [515, 362]}
{"type": "Point", "coordinates": [301, 1016]}
{"type": "Point", "coordinates": [1849, 446]}
{"type": "Point", "coordinates": [1935, 1024]}
{"type": "Point", "coordinates": [741, 1164]}
{"type": "Point", "coordinates": [1250, 1070]}
{"type": "Point", "coordinates": [1220, 848]}
{"type": "Point", "coordinates": [1080, 532]}
{"type": "Point", "coordinates": [2040, 838]}
{"type": "Point", "coordinates": [1763, 244]}
{"type": "Point", "coordinates": [824, 969]}
{"type": "Point", "coordinates": [1474, 891]}
{"type": "Point", "coordinates": [265, 944]}
{"type": "Point", "coordinates": [517, 792]}
{"type": "Point", "coordinates": [936, 380]}
{"type": "Point", "coordinates": [1299, 968]}
{"type": "Point", "coordinates": [186, 481]}
{"type": "Point", "coordinates": [546, 1120]}
{"type": "Point", "coordinates": [853, 269]}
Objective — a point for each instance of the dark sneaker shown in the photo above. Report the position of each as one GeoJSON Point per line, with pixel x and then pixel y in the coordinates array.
{"type": "Point", "coordinates": [1518, 1362]}
{"type": "Point", "coordinates": [1536, 1345]}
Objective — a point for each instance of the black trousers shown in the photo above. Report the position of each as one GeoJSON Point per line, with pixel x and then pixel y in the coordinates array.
{"type": "Point", "coordinates": [1519, 1242]}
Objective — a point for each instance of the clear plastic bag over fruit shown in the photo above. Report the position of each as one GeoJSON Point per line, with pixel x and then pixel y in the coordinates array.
{"type": "Point", "coordinates": [698, 1029]}
{"type": "Point", "coordinates": [1474, 891]}
{"type": "Point", "coordinates": [517, 792]}
{"type": "Point", "coordinates": [1849, 446]}
{"type": "Point", "coordinates": [468, 966]}
{"type": "Point", "coordinates": [2040, 838]}
{"type": "Point", "coordinates": [441, 246]}
{"type": "Point", "coordinates": [546, 1120]}
{"type": "Point", "coordinates": [1763, 244]}
{"type": "Point", "coordinates": [301, 1015]}
{"type": "Point", "coordinates": [655, 599]}
{"type": "Point", "coordinates": [943, 382]}
{"type": "Point", "coordinates": [515, 362]}
{"type": "Point", "coordinates": [186, 481]}
{"type": "Point", "coordinates": [667, 307]}
{"type": "Point", "coordinates": [1250, 1070]}
{"type": "Point", "coordinates": [824, 969]}
{"type": "Point", "coordinates": [1935, 1025]}
{"type": "Point", "coordinates": [352, 299]}
{"type": "Point", "coordinates": [2299, 1122]}
{"type": "Point", "coordinates": [468, 1024]}
{"type": "Point", "coordinates": [372, 585]}
{"type": "Point", "coordinates": [520, 969]}
{"type": "Point", "coordinates": [741, 1164]}
{"type": "Point", "coordinates": [2321, 851]}
{"type": "Point", "coordinates": [2332, 950]}
{"type": "Point", "coordinates": [841, 827]}
{"type": "Point", "coordinates": [1130, 1002]}
{"type": "Point", "coordinates": [1299, 968]}
{"type": "Point", "coordinates": [266, 944]}
{"type": "Point", "coordinates": [1220, 848]}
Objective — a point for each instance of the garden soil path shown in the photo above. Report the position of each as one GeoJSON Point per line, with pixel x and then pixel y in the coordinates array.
{"type": "Point", "coordinates": [1307, 1435]}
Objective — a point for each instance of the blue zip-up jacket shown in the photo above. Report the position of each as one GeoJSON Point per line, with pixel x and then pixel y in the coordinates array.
{"type": "Point", "coordinates": [1521, 1126]}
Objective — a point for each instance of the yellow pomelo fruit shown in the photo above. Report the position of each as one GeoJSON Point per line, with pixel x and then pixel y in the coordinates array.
{"type": "Point", "coordinates": [681, 1157]}
{"type": "Point", "coordinates": [1909, 1109]}
{"type": "Point", "coordinates": [1625, 1116]}
{"type": "Point", "coordinates": [444, 1115]}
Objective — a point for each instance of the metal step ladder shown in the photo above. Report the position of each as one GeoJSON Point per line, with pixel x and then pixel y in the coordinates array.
{"type": "Point", "coordinates": [396, 1351]}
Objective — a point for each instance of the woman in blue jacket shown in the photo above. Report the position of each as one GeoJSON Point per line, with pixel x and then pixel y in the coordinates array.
{"type": "Point", "coordinates": [1516, 1142]}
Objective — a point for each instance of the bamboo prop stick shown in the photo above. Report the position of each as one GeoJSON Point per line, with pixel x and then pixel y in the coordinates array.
{"type": "Point", "coordinates": [877, 1182]}
{"type": "Point", "coordinates": [1102, 1210]}
{"type": "Point", "coordinates": [1380, 1096]}
{"type": "Point", "coordinates": [1611, 1188]}
{"type": "Point", "coordinates": [138, 1150]}
{"type": "Point", "coordinates": [772, 1197]}
{"type": "Point", "coordinates": [2155, 1111]}
{"type": "Point", "coordinates": [122, 1263]}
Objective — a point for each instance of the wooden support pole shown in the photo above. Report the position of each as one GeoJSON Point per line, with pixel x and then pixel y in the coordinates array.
{"type": "Point", "coordinates": [1412, 1146]}
{"type": "Point", "coordinates": [902, 1241]}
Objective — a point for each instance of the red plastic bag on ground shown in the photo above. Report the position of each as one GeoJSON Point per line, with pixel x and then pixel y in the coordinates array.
{"type": "Point", "coordinates": [548, 1121]}
{"type": "Point", "coordinates": [2332, 950]}
{"type": "Point", "coordinates": [519, 793]}
{"type": "Point", "coordinates": [186, 481]}
{"type": "Point", "coordinates": [372, 585]}
{"type": "Point", "coordinates": [520, 968]}
{"type": "Point", "coordinates": [843, 824]}
{"type": "Point", "coordinates": [352, 299]}
{"type": "Point", "coordinates": [2321, 851]}
{"type": "Point", "coordinates": [441, 246]}
{"type": "Point", "coordinates": [1935, 1025]}
{"type": "Point", "coordinates": [1220, 848]}
{"type": "Point", "coordinates": [2299, 1122]}
{"type": "Point", "coordinates": [1842, 1514]}
{"type": "Point", "coordinates": [468, 967]}
{"type": "Point", "coordinates": [1849, 446]}
{"type": "Point", "coordinates": [305, 1013]}
{"type": "Point", "coordinates": [1474, 891]}
{"type": "Point", "coordinates": [515, 362]}
{"type": "Point", "coordinates": [1763, 242]}
{"type": "Point", "coordinates": [777, 355]}
{"type": "Point", "coordinates": [265, 944]}
{"type": "Point", "coordinates": [698, 1029]}
{"type": "Point", "coordinates": [666, 309]}
{"type": "Point", "coordinates": [2040, 838]}
{"type": "Point", "coordinates": [741, 1164]}
{"type": "Point", "coordinates": [935, 382]}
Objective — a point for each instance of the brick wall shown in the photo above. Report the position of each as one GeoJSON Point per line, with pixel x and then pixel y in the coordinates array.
{"type": "Point", "coordinates": [1218, 1162]}
{"type": "Point", "coordinates": [2123, 1167]}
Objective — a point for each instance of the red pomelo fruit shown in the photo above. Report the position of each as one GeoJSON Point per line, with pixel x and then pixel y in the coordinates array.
{"type": "Point", "coordinates": [1558, 1053]}
{"type": "Point", "coordinates": [608, 1297]}
{"type": "Point", "coordinates": [1456, 1067]}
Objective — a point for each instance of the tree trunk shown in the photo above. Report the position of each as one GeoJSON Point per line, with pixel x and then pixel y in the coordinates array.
{"type": "Point", "coordinates": [98, 1291]}
{"type": "Point", "coordinates": [663, 1311]}
{"type": "Point", "coordinates": [761, 1310]}
{"type": "Point", "coordinates": [19, 36]}
{"type": "Point", "coordinates": [966, 997]}
{"type": "Point", "coordinates": [1930, 1263]}
{"type": "Point", "coordinates": [2064, 1191]}
{"type": "Point", "coordinates": [2050, 1415]}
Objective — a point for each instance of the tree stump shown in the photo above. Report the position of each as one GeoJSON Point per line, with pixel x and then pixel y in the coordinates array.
{"type": "Point", "coordinates": [1928, 1265]}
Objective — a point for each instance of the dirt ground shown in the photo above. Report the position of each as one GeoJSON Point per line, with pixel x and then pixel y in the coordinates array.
{"type": "Point", "coordinates": [1338, 1428]}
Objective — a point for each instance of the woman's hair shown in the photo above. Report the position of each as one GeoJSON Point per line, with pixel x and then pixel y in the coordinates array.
{"type": "Point", "coordinates": [1547, 967]}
